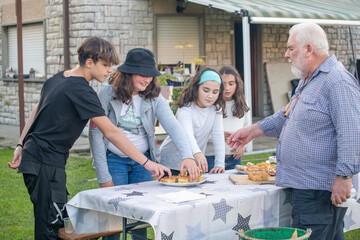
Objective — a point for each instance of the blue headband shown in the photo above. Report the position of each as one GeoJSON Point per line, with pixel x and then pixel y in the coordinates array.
{"type": "Point", "coordinates": [209, 75]}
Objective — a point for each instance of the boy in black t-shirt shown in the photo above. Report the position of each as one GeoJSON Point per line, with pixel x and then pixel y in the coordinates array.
{"type": "Point", "coordinates": [66, 104]}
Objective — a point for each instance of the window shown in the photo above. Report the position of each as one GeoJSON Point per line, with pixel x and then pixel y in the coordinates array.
{"type": "Point", "coordinates": [177, 31]}
{"type": "Point", "coordinates": [33, 48]}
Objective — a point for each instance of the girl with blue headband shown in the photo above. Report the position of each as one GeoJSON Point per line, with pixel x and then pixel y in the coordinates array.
{"type": "Point", "coordinates": [200, 114]}
{"type": "Point", "coordinates": [237, 116]}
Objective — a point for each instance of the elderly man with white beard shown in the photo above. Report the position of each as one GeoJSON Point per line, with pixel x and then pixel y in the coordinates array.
{"type": "Point", "coordinates": [318, 150]}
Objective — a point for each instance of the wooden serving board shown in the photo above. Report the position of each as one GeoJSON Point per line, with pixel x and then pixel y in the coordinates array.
{"type": "Point", "coordinates": [243, 179]}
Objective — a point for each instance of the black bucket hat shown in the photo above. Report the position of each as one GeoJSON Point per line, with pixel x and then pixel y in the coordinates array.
{"type": "Point", "coordinates": [140, 61]}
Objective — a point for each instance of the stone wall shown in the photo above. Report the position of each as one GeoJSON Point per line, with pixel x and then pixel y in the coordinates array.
{"type": "Point", "coordinates": [126, 24]}
{"type": "Point", "coordinates": [218, 50]}
{"type": "Point", "coordinates": [10, 102]}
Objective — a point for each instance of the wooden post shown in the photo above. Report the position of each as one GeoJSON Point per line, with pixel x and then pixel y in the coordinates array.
{"type": "Point", "coordinates": [20, 64]}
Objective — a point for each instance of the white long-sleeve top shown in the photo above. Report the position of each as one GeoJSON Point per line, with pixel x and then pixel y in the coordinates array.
{"type": "Point", "coordinates": [231, 124]}
{"type": "Point", "coordinates": [198, 124]}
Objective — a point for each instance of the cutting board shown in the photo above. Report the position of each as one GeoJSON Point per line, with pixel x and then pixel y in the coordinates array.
{"type": "Point", "coordinates": [243, 179]}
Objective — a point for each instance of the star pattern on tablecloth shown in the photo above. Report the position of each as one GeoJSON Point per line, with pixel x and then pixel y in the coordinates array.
{"type": "Point", "coordinates": [115, 201]}
{"type": "Point", "coordinates": [268, 217]}
{"type": "Point", "coordinates": [194, 186]}
{"type": "Point", "coordinates": [221, 209]}
{"type": "Point", "coordinates": [209, 182]}
{"type": "Point", "coordinates": [134, 193]}
{"type": "Point", "coordinates": [165, 237]}
{"type": "Point", "coordinates": [194, 232]}
{"type": "Point", "coordinates": [348, 221]}
{"type": "Point", "coordinates": [242, 223]}
{"type": "Point", "coordinates": [288, 196]}
{"type": "Point", "coordinates": [206, 194]}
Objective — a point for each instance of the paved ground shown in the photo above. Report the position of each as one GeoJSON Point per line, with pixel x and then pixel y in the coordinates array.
{"type": "Point", "coordinates": [9, 136]}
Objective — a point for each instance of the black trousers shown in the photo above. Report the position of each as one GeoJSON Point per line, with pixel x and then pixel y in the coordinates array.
{"type": "Point", "coordinates": [313, 209]}
{"type": "Point", "coordinates": [47, 189]}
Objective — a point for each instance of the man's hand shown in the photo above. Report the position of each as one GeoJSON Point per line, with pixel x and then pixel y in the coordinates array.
{"type": "Point", "coordinates": [201, 161]}
{"type": "Point", "coordinates": [341, 191]}
{"type": "Point", "coordinates": [157, 170]}
{"type": "Point", "coordinates": [107, 184]}
{"type": "Point", "coordinates": [244, 135]}
{"type": "Point", "coordinates": [217, 170]}
{"type": "Point", "coordinates": [192, 168]}
{"type": "Point", "coordinates": [17, 158]}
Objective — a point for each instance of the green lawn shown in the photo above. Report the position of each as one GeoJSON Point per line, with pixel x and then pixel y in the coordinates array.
{"type": "Point", "coordinates": [16, 221]}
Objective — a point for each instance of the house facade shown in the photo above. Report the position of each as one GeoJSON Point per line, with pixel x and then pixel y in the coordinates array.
{"type": "Point", "coordinates": [210, 33]}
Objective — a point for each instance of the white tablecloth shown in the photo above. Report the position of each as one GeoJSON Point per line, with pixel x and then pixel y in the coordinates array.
{"type": "Point", "coordinates": [226, 209]}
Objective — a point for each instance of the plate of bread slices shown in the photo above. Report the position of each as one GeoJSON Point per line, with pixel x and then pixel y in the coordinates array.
{"type": "Point", "coordinates": [181, 181]}
{"type": "Point", "coordinates": [260, 167]}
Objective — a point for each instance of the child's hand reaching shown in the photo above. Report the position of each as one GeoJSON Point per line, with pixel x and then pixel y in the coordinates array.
{"type": "Point", "coordinates": [239, 152]}
{"type": "Point", "coordinates": [157, 170]}
{"type": "Point", "coordinates": [217, 170]}
{"type": "Point", "coordinates": [192, 168]}
{"type": "Point", "coordinates": [201, 161]}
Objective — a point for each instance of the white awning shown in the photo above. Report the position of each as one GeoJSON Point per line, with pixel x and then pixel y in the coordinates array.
{"type": "Point", "coordinates": [340, 12]}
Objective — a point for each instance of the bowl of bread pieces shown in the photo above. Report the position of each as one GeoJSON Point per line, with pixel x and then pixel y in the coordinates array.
{"type": "Point", "coordinates": [182, 181]}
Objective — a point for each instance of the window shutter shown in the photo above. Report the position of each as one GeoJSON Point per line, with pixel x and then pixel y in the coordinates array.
{"type": "Point", "coordinates": [33, 48]}
{"type": "Point", "coordinates": [172, 31]}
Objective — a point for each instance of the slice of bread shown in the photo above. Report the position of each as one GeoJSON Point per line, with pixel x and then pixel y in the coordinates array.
{"type": "Point", "coordinates": [258, 176]}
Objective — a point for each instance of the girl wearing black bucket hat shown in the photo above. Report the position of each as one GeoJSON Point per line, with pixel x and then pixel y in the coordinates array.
{"type": "Point", "coordinates": [133, 102]}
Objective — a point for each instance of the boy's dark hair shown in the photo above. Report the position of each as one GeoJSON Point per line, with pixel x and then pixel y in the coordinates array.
{"type": "Point", "coordinates": [97, 49]}
{"type": "Point", "coordinates": [190, 93]}
{"type": "Point", "coordinates": [123, 87]}
{"type": "Point", "coordinates": [240, 107]}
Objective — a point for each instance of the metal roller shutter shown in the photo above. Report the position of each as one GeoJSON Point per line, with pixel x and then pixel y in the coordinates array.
{"type": "Point", "coordinates": [33, 48]}
{"type": "Point", "coordinates": [173, 31]}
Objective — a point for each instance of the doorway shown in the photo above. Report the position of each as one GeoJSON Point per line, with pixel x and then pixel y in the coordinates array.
{"type": "Point", "coordinates": [255, 54]}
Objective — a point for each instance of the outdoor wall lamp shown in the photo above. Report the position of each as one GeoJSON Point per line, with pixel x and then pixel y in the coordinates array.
{"type": "Point", "coordinates": [181, 5]}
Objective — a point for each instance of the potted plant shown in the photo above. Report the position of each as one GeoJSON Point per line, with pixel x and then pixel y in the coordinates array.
{"type": "Point", "coordinates": [196, 63]}
{"type": "Point", "coordinates": [32, 73]}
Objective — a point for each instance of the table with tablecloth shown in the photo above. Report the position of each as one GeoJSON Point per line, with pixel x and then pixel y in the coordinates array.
{"type": "Point", "coordinates": [225, 209]}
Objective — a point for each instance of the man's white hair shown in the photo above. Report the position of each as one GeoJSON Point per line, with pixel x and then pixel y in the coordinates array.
{"type": "Point", "coordinates": [310, 32]}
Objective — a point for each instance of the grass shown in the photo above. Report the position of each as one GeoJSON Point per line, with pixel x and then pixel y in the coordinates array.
{"type": "Point", "coordinates": [16, 210]}
{"type": "Point", "coordinates": [16, 221]}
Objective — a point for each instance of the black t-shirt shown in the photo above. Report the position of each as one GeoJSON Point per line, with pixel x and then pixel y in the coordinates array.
{"type": "Point", "coordinates": [66, 104]}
